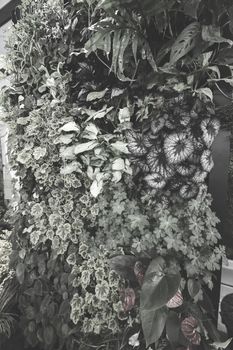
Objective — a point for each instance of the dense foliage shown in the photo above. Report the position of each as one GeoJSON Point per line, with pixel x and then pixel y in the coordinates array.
{"type": "Point", "coordinates": [110, 139]}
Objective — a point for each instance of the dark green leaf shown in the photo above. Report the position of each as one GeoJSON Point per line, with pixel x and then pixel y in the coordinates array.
{"type": "Point", "coordinates": [194, 287]}
{"type": "Point", "coordinates": [152, 7]}
{"type": "Point", "coordinates": [20, 271]}
{"type": "Point", "coordinates": [124, 266]}
{"type": "Point", "coordinates": [173, 327]}
{"type": "Point", "coordinates": [185, 42]}
{"type": "Point", "coordinates": [153, 323]}
{"type": "Point", "coordinates": [191, 7]}
{"type": "Point", "coordinates": [158, 288]}
{"type": "Point", "coordinates": [48, 335]}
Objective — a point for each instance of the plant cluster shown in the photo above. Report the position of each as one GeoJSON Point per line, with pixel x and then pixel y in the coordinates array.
{"type": "Point", "coordinates": [173, 148]}
{"type": "Point", "coordinates": [92, 94]}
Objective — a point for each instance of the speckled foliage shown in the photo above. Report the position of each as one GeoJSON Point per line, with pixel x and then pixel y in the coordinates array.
{"type": "Point", "coordinates": [112, 151]}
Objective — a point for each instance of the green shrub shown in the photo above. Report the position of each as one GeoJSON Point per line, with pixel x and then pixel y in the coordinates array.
{"type": "Point", "coordinates": [81, 114]}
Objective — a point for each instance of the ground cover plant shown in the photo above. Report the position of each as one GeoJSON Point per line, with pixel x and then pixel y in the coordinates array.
{"type": "Point", "coordinates": [112, 116]}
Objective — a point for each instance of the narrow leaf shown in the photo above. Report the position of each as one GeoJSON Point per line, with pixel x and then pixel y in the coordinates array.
{"type": "Point", "coordinates": [20, 271]}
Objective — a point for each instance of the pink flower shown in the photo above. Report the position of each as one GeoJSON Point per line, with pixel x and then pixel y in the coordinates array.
{"type": "Point", "coordinates": [189, 327]}
{"type": "Point", "coordinates": [175, 301]}
{"type": "Point", "coordinates": [128, 299]}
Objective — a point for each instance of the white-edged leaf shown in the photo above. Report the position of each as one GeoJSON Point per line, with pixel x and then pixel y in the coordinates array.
{"type": "Point", "coordinates": [96, 95]}
{"type": "Point", "coordinates": [206, 57]}
{"type": "Point", "coordinates": [116, 176]}
{"type": "Point", "coordinates": [212, 34]}
{"type": "Point", "coordinates": [216, 70]}
{"type": "Point", "coordinates": [120, 146]}
{"type": "Point", "coordinates": [66, 139]}
{"type": "Point", "coordinates": [117, 92]}
{"type": "Point", "coordinates": [118, 164]}
{"type": "Point", "coordinates": [206, 91]}
{"type": "Point", "coordinates": [96, 188]}
{"type": "Point", "coordinates": [70, 168]}
{"type": "Point", "coordinates": [90, 132]}
{"type": "Point", "coordinates": [124, 115]}
{"type": "Point", "coordinates": [67, 152]}
{"type": "Point", "coordinates": [86, 146]}
{"type": "Point", "coordinates": [222, 345]}
{"type": "Point", "coordinates": [70, 126]}
{"type": "Point", "coordinates": [225, 80]}
{"type": "Point", "coordinates": [184, 42]}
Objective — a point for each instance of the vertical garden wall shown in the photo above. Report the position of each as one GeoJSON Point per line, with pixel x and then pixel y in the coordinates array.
{"type": "Point", "coordinates": [112, 118]}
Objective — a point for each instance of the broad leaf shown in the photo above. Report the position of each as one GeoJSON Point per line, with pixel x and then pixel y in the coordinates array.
{"type": "Point", "coordinates": [124, 266]}
{"type": "Point", "coordinates": [185, 42]}
{"type": "Point", "coordinates": [96, 188]}
{"type": "Point", "coordinates": [158, 287]}
{"type": "Point", "coordinates": [70, 126]}
{"type": "Point", "coordinates": [206, 91]}
{"type": "Point", "coordinates": [118, 164]}
{"type": "Point", "coordinates": [153, 323]}
{"type": "Point", "coordinates": [120, 146]}
{"type": "Point", "coordinates": [96, 95]}
{"type": "Point", "coordinates": [83, 147]}
{"type": "Point", "coordinates": [173, 327]}
{"type": "Point", "coordinates": [212, 34]}
{"type": "Point", "coordinates": [194, 287]}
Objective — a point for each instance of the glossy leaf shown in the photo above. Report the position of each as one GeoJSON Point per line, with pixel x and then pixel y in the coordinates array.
{"type": "Point", "coordinates": [153, 323]}
{"type": "Point", "coordinates": [193, 287]}
{"type": "Point", "coordinates": [158, 287]}
{"type": "Point", "coordinates": [173, 327]}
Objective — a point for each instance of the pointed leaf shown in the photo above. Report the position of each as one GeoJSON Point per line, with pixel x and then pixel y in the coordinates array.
{"type": "Point", "coordinates": [96, 95]}
{"type": "Point", "coordinates": [185, 42]}
{"type": "Point", "coordinates": [212, 34]}
{"type": "Point", "coordinates": [194, 287]}
{"type": "Point", "coordinates": [173, 327]}
{"type": "Point", "coordinates": [222, 345]}
{"type": "Point", "coordinates": [153, 323]}
{"type": "Point", "coordinates": [158, 287]}
{"type": "Point", "coordinates": [83, 147]}
{"type": "Point", "coordinates": [20, 271]}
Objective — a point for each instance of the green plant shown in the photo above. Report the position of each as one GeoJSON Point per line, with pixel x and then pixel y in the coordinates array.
{"type": "Point", "coordinates": [91, 94]}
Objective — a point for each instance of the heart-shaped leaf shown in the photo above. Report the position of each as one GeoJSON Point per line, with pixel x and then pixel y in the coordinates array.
{"type": "Point", "coordinates": [153, 323]}
{"type": "Point", "coordinates": [173, 327]}
{"type": "Point", "coordinates": [158, 287]}
{"type": "Point", "coordinates": [194, 287]}
{"type": "Point", "coordinates": [124, 266]}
